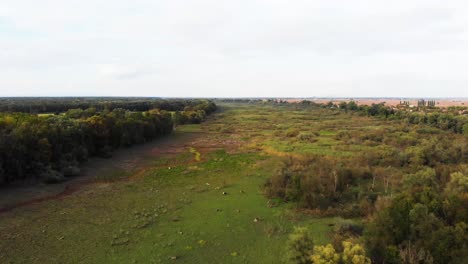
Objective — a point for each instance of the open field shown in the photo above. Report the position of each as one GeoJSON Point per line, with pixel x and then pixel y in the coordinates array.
{"type": "Point", "coordinates": [170, 205]}
{"type": "Point", "coordinates": [196, 196]}
{"type": "Point", "coordinates": [218, 132]}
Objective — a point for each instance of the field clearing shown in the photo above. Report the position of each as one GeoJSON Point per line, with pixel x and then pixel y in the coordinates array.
{"type": "Point", "coordinates": [170, 205]}
{"type": "Point", "coordinates": [195, 197]}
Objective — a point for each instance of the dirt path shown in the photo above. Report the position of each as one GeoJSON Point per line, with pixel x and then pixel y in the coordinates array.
{"type": "Point", "coordinates": [135, 159]}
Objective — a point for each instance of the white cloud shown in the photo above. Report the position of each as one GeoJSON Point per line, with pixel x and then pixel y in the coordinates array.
{"type": "Point", "coordinates": [234, 48]}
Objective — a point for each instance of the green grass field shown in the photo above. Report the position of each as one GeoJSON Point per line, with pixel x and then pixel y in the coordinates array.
{"type": "Point", "coordinates": [198, 200]}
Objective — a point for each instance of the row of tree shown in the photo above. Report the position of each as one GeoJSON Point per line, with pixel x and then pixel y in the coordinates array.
{"type": "Point", "coordinates": [443, 120]}
{"type": "Point", "coordinates": [49, 148]}
{"type": "Point", "coordinates": [424, 103]}
{"type": "Point", "coordinates": [189, 115]}
{"type": "Point", "coordinates": [59, 105]}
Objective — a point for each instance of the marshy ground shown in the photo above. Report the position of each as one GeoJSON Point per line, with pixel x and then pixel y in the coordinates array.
{"type": "Point", "coordinates": [193, 197]}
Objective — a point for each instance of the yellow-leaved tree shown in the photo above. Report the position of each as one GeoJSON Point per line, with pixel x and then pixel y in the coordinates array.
{"type": "Point", "coordinates": [352, 254]}
{"type": "Point", "coordinates": [325, 255]}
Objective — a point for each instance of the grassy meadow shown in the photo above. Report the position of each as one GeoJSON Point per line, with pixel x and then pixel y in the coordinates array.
{"type": "Point", "coordinates": [198, 199]}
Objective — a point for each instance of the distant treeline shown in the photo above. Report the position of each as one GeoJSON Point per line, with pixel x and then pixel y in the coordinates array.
{"type": "Point", "coordinates": [450, 120]}
{"type": "Point", "coordinates": [443, 120]}
{"type": "Point", "coordinates": [51, 147]}
{"type": "Point", "coordinates": [239, 100]}
{"type": "Point", "coordinates": [453, 118]}
{"type": "Point", "coordinates": [59, 105]}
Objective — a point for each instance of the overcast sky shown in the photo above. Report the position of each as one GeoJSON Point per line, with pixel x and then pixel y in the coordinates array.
{"type": "Point", "coordinates": [218, 48]}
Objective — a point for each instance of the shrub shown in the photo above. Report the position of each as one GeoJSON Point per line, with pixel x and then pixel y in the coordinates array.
{"type": "Point", "coordinates": [325, 255]}
{"type": "Point", "coordinates": [106, 152]}
{"type": "Point", "coordinates": [71, 171]}
{"type": "Point", "coordinates": [52, 176]}
{"type": "Point", "coordinates": [345, 230]}
{"type": "Point", "coordinates": [354, 254]}
{"type": "Point", "coordinates": [300, 246]}
{"type": "Point", "coordinates": [292, 133]}
{"type": "Point", "coordinates": [465, 129]}
{"type": "Point", "coordinates": [307, 137]}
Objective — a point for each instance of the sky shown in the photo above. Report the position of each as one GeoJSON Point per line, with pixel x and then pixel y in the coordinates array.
{"type": "Point", "coordinates": [241, 48]}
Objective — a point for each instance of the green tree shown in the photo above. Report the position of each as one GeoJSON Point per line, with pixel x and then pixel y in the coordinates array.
{"type": "Point", "coordinates": [343, 105]}
{"type": "Point", "coordinates": [422, 178]}
{"type": "Point", "coordinates": [300, 246]}
{"type": "Point", "coordinates": [352, 106]}
{"type": "Point", "coordinates": [458, 183]}
{"type": "Point", "coordinates": [465, 129]}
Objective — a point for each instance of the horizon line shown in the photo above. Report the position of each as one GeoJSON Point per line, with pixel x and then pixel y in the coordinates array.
{"type": "Point", "coordinates": [238, 97]}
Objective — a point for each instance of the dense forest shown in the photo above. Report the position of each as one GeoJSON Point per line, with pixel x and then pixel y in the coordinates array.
{"type": "Point", "coordinates": [50, 147]}
{"type": "Point", "coordinates": [58, 105]}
